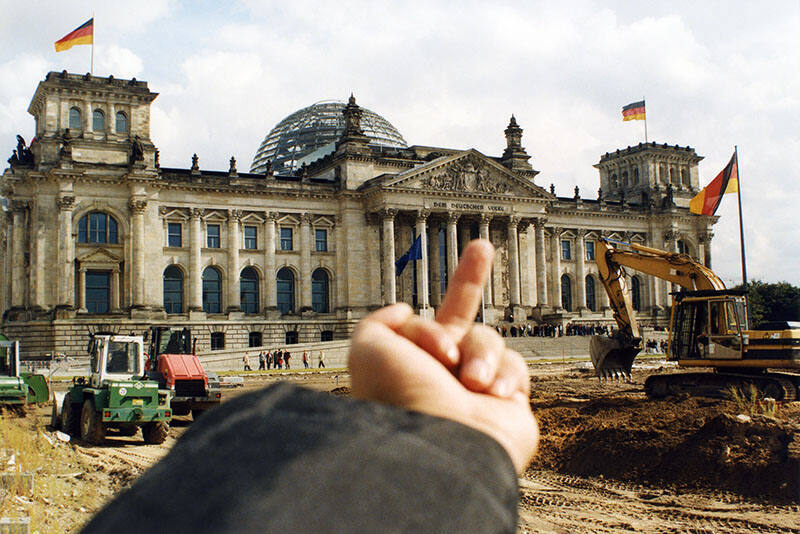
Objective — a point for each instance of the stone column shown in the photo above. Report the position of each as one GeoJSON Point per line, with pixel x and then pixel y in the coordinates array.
{"type": "Point", "coordinates": [513, 261]}
{"type": "Point", "coordinates": [138, 207]}
{"type": "Point", "coordinates": [19, 274]}
{"type": "Point", "coordinates": [435, 264]}
{"type": "Point", "coordinates": [531, 293]}
{"type": "Point", "coordinates": [483, 229]}
{"type": "Point", "coordinates": [422, 265]}
{"type": "Point", "coordinates": [706, 240]}
{"type": "Point", "coordinates": [452, 244]}
{"type": "Point", "coordinates": [234, 297]}
{"type": "Point", "coordinates": [114, 289]}
{"type": "Point", "coordinates": [194, 302]}
{"type": "Point", "coordinates": [66, 253]}
{"type": "Point", "coordinates": [389, 278]}
{"type": "Point", "coordinates": [305, 262]}
{"type": "Point", "coordinates": [656, 284]}
{"type": "Point", "coordinates": [270, 275]}
{"type": "Point", "coordinates": [82, 289]}
{"type": "Point", "coordinates": [670, 245]}
{"type": "Point", "coordinates": [463, 236]}
{"type": "Point", "coordinates": [541, 264]}
{"type": "Point", "coordinates": [580, 268]}
{"type": "Point", "coordinates": [555, 260]}
{"type": "Point", "coordinates": [341, 262]}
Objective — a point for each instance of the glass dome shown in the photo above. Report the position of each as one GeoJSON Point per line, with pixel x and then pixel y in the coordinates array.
{"type": "Point", "coordinates": [315, 129]}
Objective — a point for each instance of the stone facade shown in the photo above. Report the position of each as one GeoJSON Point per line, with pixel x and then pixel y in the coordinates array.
{"type": "Point", "coordinates": [98, 236]}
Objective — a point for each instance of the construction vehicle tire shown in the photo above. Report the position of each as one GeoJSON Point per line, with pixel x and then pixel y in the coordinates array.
{"type": "Point", "coordinates": [69, 417]}
{"type": "Point", "coordinates": [92, 429]}
{"type": "Point", "coordinates": [155, 433]}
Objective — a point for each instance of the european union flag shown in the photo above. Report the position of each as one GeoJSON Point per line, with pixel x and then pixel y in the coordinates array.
{"type": "Point", "coordinates": [412, 254]}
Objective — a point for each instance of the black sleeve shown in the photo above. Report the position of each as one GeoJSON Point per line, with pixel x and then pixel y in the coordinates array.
{"type": "Point", "coordinates": [288, 459]}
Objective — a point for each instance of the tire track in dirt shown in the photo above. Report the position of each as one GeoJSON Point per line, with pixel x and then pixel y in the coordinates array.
{"type": "Point", "coordinates": [551, 502]}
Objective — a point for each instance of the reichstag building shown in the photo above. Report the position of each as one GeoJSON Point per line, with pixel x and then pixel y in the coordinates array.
{"type": "Point", "coordinates": [96, 235]}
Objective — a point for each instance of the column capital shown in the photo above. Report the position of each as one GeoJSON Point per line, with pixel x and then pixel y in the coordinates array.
{"type": "Point", "coordinates": [669, 235]}
{"type": "Point", "coordinates": [306, 218]}
{"type": "Point", "coordinates": [557, 231]}
{"type": "Point", "coordinates": [234, 215]}
{"type": "Point", "coordinates": [580, 233]}
{"type": "Point", "coordinates": [196, 213]}
{"type": "Point", "coordinates": [387, 213]}
{"type": "Point", "coordinates": [452, 218]}
{"type": "Point", "coordinates": [422, 216]}
{"type": "Point", "coordinates": [271, 216]}
{"type": "Point", "coordinates": [20, 205]}
{"type": "Point", "coordinates": [65, 203]}
{"type": "Point", "coordinates": [138, 205]}
{"type": "Point", "coordinates": [539, 222]}
{"type": "Point", "coordinates": [513, 221]}
{"type": "Point", "coordinates": [486, 218]}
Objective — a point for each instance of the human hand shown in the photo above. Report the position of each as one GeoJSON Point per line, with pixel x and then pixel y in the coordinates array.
{"type": "Point", "coordinates": [450, 367]}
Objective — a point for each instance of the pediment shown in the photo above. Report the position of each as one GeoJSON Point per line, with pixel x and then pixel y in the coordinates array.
{"type": "Point", "coordinates": [99, 256]}
{"type": "Point", "coordinates": [466, 172]}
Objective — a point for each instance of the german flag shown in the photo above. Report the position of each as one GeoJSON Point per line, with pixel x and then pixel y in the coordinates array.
{"type": "Point", "coordinates": [707, 201]}
{"type": "Point", "coordinates": [634, 112]}
{"type": "Point", "coordinates": [82, 35]}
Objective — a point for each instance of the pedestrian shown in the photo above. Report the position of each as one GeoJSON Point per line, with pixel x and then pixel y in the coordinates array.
{"type": "Point", "coordinates": [262, 361]}
{"type": "Point", "coordinates": [305, 359]}
{"type": "Point", "coordinates": [321, 359]}
{"type": "Point", "coordinates": [246, 362]}
{"type": "Point", "coordinates": [278, 357]}
{"type": "Point", "coordinates": [280, 360]}
{"type": "Point", "coordinates": [269, 359]}
{"type": "Point", "coordinates": [286, 357]}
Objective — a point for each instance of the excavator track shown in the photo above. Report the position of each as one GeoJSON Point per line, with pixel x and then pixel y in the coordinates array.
{"type": "Point", "coordinates": [779, 386]}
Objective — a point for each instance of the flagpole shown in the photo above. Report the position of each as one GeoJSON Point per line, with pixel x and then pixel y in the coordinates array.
{"type": "Point", "coordinates": [741, 225]}
{"type": "Point", "coordinates": [91, 65]}
{"type": "Point", "coordinates": [645, 120]}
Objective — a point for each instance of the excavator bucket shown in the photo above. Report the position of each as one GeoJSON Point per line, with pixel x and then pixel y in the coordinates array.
{"type": "Point", "coordinates": [613, 357]}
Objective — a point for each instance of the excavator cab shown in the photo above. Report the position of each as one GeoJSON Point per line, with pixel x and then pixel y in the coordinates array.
{"type": "Point", "coordinates": [707, 325]}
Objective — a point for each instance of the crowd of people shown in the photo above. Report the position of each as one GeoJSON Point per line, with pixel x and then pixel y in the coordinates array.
{"type": "Point", "coordinates": [552, 330]}
{"type": "Point", "coordinates": [281, 359]}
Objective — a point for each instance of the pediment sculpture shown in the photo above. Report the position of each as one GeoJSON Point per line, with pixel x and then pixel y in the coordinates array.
{"type": "Point", "coordinates": [466, 175]}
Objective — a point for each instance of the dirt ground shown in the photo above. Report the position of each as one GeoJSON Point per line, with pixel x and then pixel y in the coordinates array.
{"type": "Point", "coordinates": [610, 460]}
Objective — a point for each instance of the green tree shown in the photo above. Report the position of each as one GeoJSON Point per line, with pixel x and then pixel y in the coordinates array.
{"type": "Point", "coordinates": [772, 302]}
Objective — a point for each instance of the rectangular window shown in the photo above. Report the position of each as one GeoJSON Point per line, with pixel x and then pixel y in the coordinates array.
{"type": "Point", "coordinates": [566, 250]}
{"type": "Point", "coordinates": [286, 238]}
{"type": "Point", "coordinates": [250, 237]}
{"type": "Point", "coordinates": [212, 230]}
{"type": "Point", "coordinates": [98, 292]}
{"type": "Point", "coordinates": [321, 237]}
{"type": "Point", "coordinates": [217, 340]}
{"type": "Point", "coordinates": [174, 234]}
{"type": "Point", "coordinates": [590, 250]}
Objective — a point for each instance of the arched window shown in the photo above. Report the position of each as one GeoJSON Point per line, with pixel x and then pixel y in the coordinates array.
{"type": "Point", "coordinates": [248, 286]}
{"type": "Point", "coordinates": [684, 177]}
{"type": "Point", "coordinates": [662, 174]}
{"type": "Point", "coordinates": [173, 289]}
{"type": "Point", "coordinates": [566, 293]}
{"type": "Point", "coordinates": [212, 291]}
{"type": "Point", "coordinates": [625, 178]}
{"type": "Point", "coordinates": [122, 123]}
{"type": "Point", "coordinates": [319, 292]}
{"type": "Point", "coordinates": [97, 227]}
{"type": "Point", "coordinates": [98, 120]}
{"type": "Point", "coordinates": [635, 176]}
{"type": "Point", "coordinates": [75, 122]}
{"type": "Point", "coordinates": [636, 293]}
{"type": "Point", "coordinates": [285, 285]}
{"type": "Point", "coordinates": [672, 178]}
{"type": "Point", "coordinates": [590, 296]}
{"type": "Point", "coordinates": [614, 181]}
{"type": "Point", "coordinates": [683, 248]}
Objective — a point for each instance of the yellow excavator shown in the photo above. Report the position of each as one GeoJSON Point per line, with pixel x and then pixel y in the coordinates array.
{"type": "Point", "coordinates": [708, 329]}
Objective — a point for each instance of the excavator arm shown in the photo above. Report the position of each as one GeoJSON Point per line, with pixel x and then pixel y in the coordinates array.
{"type": "Point", "coordinates": [613, 356]}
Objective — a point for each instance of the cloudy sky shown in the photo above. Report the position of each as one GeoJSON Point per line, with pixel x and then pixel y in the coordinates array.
{"type": "Point", "coordinates": [715, 74]}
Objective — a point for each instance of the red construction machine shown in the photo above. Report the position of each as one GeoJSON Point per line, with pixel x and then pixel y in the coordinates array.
{"type": "Point", "coordinates": [174, 364]}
